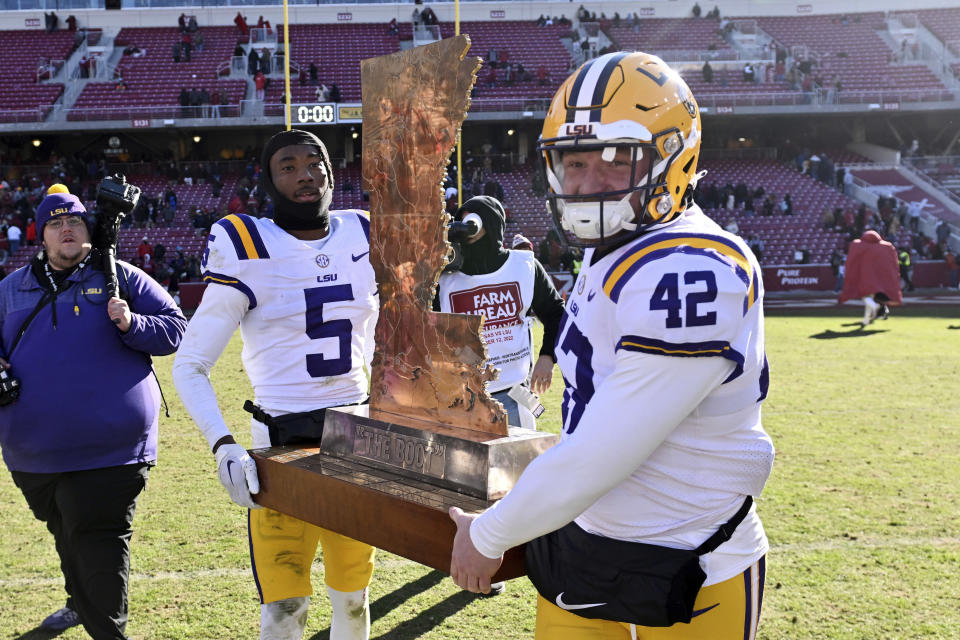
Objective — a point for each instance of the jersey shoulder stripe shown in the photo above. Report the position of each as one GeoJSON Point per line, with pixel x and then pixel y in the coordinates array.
{"type": "Point", "coordinates": [707, 349]}
{"type": "Point", "coordinates": [245, 236]}
{"type": "Point", "coordinates": [230, 281]}
{"type": "Point", "coordinates": [660, 245]}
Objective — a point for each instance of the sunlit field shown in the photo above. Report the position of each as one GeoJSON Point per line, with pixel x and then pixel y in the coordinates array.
{"type": "Point", "coordinates": [861, 509]}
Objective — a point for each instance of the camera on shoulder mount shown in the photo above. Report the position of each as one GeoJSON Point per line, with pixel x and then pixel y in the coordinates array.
{"type": "Point", "coordinates": [458, 232]}
{"type": "Point", "coordinates": [9, 388]}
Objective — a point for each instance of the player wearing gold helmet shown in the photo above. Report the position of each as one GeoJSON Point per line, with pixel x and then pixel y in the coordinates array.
{"type": "Point", "coordinates": [641, 523]}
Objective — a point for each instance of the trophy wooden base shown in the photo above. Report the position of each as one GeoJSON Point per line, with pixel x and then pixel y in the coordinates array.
{"type": "Point", "coordinates": [401, 515]}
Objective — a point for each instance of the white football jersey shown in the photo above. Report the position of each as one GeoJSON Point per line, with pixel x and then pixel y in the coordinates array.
{"type": "Point", "coordinates": [503, 298]}
{"type": "Point", "coordinates": [312, 307]}
{"type": "Point", "coordinates": [686, 290]}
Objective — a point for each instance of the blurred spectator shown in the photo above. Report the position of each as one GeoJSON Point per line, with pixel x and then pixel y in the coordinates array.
{"type": "Point", "coordinates": [168, 213]}
{"type": "Point", "coordinates": [906, 267]}
{"type": "Point", "coordinates": [953, 271]}
{"type": "Point", "coordinates": [543, 76]}
{"type": "Point", "coordinates": [265, 61]}
{"type": "Point", "coordinates": [707, 71]}
{"type": "Point", "coordinates": [837, 265]}
{"type": "Point", "coordinates": [31, 232]}
{"type": "Point", "coordinates": [786, 205]}
{"type": "Point", "coordinates": [14, 235]}
{"type": "Point", "coordinates": [71, 22]}
{"type": "Point", "coordinates": [260, 82]}
{"type": "Point", "coordinates": [756, 244]}
{"type": "Point", "coordinates": [521, 243]}
{"type": "Point", "coordinates": [943, 232]}
{"type": "Point", "coordinates": [186, 44]}
{"type": "Point", "coordinates": [550, 251]}
{"type": "Point", "coordinates": [144, 248]}
{"type": "Point", "coordinates": [241, 23]}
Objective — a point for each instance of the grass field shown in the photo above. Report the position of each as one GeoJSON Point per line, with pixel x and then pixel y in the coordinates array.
{"type": "Point", "coordinates": [861, 509]}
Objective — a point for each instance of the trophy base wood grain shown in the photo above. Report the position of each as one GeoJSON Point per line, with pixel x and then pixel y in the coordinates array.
{"type": "Point", "coordinates": [401, 515]}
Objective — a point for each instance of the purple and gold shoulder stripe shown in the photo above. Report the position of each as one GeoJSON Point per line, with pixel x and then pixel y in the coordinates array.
{"type": "Point", "coordinates": [717, 248]}
{"type": "Point", "coordinates": [218, 278]}
{"type": "Point", "coordinates": [243, 233]}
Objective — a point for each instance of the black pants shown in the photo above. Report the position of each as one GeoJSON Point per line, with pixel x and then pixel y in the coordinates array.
{"type": "Point", "coordinates": [90, 514]}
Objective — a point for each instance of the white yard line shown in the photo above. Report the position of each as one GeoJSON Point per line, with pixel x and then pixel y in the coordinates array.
{"type": "Point", "coordinates": [847, 544]}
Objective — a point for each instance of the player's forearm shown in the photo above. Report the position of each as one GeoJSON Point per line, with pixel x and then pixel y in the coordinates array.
{"type": "Point", "coordinates": [207, 336]}
{"type": "Point", "coordinates": [614, 437]}
{"type": "Point", "coordinates": [199, 399]}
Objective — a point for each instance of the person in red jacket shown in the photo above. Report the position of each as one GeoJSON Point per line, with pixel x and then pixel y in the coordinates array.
{"type": "Point", "coordinates": [31, 232]}
{"type": "Point", "coordinates": [872, 275]}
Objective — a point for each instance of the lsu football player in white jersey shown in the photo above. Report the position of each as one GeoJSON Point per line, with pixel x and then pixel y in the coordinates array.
{"type": "Point", "coordinates": [661, 350]}
{"type": "Point", "coordinates": [303, 292]}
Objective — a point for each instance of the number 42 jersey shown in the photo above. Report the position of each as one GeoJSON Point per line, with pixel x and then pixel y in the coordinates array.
{"type": "Point", "coordinates": [685, 290]}
{"type": "Point", "coordinates": [312, 307]}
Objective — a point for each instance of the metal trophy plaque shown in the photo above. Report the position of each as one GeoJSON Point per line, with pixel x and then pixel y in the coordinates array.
{"type": "Point", "coordinates": [432, 437]}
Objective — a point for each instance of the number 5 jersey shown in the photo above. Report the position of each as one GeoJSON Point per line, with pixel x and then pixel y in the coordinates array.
{"type": "Point", "coordinates": [306, 310]}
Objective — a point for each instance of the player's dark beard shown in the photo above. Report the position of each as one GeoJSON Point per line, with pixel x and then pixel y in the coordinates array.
{"type": "Point", "coordinates": [487, 254]}
{"type": "Point", "coordinates": [287, 213]}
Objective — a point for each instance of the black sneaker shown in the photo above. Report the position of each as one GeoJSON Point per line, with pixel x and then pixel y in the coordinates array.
{"type": "Point", "coordinates": [60, 620]}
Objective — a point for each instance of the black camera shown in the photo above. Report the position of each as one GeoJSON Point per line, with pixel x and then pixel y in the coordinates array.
{"type": "Point", "coordinates": [9, 388]}
{"type": "Point", "coordinates": [459, 232]}
{"type": "Point", "coordinates": [116, 197]}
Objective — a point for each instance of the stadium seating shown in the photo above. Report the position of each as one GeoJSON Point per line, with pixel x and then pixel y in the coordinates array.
{"type": "Point", "coordinates": [944, 24]}
{"type": "Point", "coordinates": [523, 42]}
{"type": "Point", "coordinates": [892, 182]}
{"type": "Point", "coordinates": [155, 80]}
{"type": "Point", "coordinates": [782, 234]}
{"type": "Point", "coordinates": [22, 52]}
{"type": "Point", "coordinates": [853, 52]}
{"type": "Point", "coordinates": [669, 34]}
{"type": "Point", "coordinates": [942, 171]}
{"type": "Point", "coordinates": [337, 49]}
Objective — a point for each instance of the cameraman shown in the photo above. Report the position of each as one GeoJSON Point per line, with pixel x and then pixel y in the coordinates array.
{"type": "Point", "coordinates": [81, 436]}
{"type": "Point", "coordinates": [505, 287]}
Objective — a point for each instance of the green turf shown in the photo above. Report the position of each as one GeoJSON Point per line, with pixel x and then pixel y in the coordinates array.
{"type": "Point", "coordinates": [861, 509]}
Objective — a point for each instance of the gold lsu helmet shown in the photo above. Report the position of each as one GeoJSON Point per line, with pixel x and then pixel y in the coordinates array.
{"type": "Point", "coordinates": [622, 100]}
